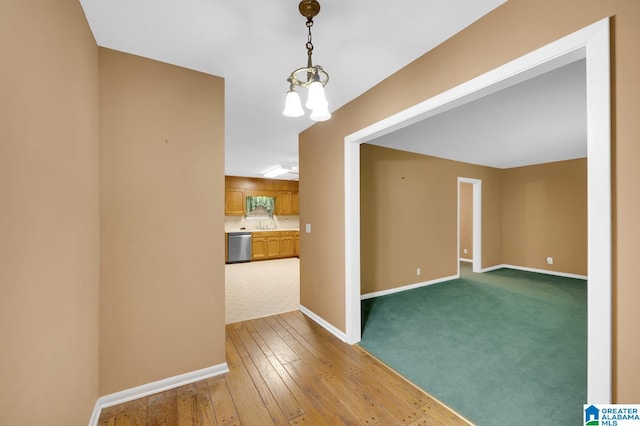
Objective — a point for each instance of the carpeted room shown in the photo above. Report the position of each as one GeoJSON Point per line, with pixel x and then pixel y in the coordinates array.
{"type": "Point", "coordinates": [526, 210]}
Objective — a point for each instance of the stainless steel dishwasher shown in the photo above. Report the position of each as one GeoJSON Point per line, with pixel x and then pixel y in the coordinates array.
{"type": "Point", "coordinates": [239, 247]}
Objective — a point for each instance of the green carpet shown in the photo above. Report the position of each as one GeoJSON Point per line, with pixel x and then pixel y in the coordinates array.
{"type": "Point", "coordinates": [502, 348]}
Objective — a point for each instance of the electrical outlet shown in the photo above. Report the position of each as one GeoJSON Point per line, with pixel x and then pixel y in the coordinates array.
{"type": "Point", "coordinates": [465, 251]}
{"type": "Point", "coordinates": [549, 260]}
{"type": "Point", "coordinates": [308, 228]}
{"type": "Point", "coordinates": [418, 271]}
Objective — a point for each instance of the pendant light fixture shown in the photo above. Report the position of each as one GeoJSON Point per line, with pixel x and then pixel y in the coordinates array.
{"type": "Point", "coordinates": [311, 77]}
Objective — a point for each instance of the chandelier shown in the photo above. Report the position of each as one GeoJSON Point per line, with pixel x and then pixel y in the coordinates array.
{"type": "Point", "coordinates": [311, 77]}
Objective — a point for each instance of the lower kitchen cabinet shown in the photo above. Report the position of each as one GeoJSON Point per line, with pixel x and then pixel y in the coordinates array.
{"type": "Point", "coordinates": [262, 245]}
{"type": "Point", "coordinates": [258, 248]}
{"type": "Point", "coordinates": [273, 245]}
{"type": "Point", "coordinates": [287, 244]}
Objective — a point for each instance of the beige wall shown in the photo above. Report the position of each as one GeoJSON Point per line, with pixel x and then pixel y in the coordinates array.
{"type": "Point", "coordinates": [409, 205]}
{"type": "Point", "coordinates": [322, 207]}
{"type": "Point", "coordinates": [162, 221]}
{"type": "Point", "coordinates": [466, 220]}
{"type": "Point", "coordinates": [102, 142]}
{"type": "Point", "coordinates": [545, 214]}
{"type": "Point", "coordinates": [49, 232]}
{"type": "Point", "coordinates": [409, 211]}
{"type": "Point", "coordinates": [512, 30]}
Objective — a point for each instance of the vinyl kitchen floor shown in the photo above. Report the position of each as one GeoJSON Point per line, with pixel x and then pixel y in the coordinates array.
{"type": "Point", "coordinates": [259, 289]}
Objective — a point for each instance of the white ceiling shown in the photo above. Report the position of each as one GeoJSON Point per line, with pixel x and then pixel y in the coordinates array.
{"type": "Point", "coordinates": [255, 45]}
{"type": "Point", "coordinates": [540, 120]}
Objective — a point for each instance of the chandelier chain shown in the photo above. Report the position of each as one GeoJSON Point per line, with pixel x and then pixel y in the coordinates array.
{"type": "Point", "coordinates": [309, 44]}
{"type": "Point", "coordinates": [316, 76]}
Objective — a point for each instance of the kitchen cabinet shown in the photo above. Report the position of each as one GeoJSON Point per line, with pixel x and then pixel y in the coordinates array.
{"type": "Point", "coordinates": [287, 203]}
{"type": "Point", "coordinates": [265, 245]}
{"type": "Point", "coordinates": [273, 245]}
{"type": "Point", "coordinates": [287, 248]}
{"type": "Point", "coordinates": [233, 203]}
{"type": "Point", "coordinates": [238, 188]}
{"type": "Point", "coordinates": [296, 244]}
{"type": "Point", "coordinates": [283, 203]}
{"type": "Point", "coordinates": [294, 203]}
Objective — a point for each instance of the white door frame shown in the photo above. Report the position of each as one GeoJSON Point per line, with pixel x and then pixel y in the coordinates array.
{"type": "Point", "coordinates": [592, 43]}
{"type": "Point", "coordinates": [477, 223]}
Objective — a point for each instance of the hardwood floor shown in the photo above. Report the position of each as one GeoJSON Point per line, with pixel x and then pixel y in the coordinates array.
{"type": "Point", "coordinates": [285, 369]}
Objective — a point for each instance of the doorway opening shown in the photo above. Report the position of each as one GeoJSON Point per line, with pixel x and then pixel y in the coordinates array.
{"type": "Point", "coordinates": [591, 43]}
{"type": "Point", "coordinates": [472, 229]}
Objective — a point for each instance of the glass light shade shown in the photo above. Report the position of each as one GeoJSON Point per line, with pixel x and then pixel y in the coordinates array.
{"type": "Point", "coordinates": [321, 113]}
{"type": "Point", "coordinates": [315, 96]}
{"type": "Point", "coordinates": [293, 105]}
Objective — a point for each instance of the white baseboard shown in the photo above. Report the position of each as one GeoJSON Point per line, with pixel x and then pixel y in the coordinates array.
{"type": "Point", "coordinates": [154, 387]}
{"type": "Point", "coordinates": [407, 287]}
{"type": "Point", "coordinates": [539, 271]}
{"type": "Point", "coordinates": [493, 268]}
{"type": "Point", "coordinates": [324, 324]}
{"type": "Point", "coordinates": [462, 259]}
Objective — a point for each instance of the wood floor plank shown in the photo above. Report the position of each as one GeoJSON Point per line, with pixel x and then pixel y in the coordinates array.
{"type": "Point", "coordinates": [274, 322]}
{"type": "Point", "coordinates": [108, 421]}
{"type": "Point", "coordinates": [431, 408]}
{"type": "Point", "coordinates": [276, 345]}
{"type": "Point", "coordinates": [332, 374]}
{"type": "Point", "coordinates": [344, 378]}
{"type": "Point", "coordinates": [163, 408]}
{"type": "Point", "coordinates": [312, 415]}
{"type": "Point", "coordinates": [361, 404]}
{"type": "Point", "coordinates": [320, 395]}
{"type": "Point", "coordinates": [206, 416]}
{"type": "Point", "coordinates": [404, 410]}
{"type": "Point", "coordinates": [287, 402]}
{"type": "Point", "coordinates": [286, 369]}
{"type": "Point", "coordinates": [109, 414]}
{"type": "Point", "coordinates": [420, 422]}
{"type": "Point", "coordinates": [268, 393]}
{"type": "Point", "coordinates": [325, 371]}
{"type": "Point", "coordinates": [382, 399]}
{"type": "Point", "coordinates": [250, 407]}
{"type": "Point", "coordinates": [297, 341]}
{"type": "Point", "coordinates": [224, 408]}
{"type": "Point", "coordinates": [404, 389]}
{"type": "Point", "coordinates": [436, 416]}
{"type": "Point", "coordinates": [312, 370]}
{"type": "Point", "coordinates": [187, 405]}
{"type": "Point", "coordinates": [293, 321]}
{"type": "Point", "coordinates": [135, 412]}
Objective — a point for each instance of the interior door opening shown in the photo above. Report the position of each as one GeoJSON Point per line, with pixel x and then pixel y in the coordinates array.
{"type": "Point", "coordinates": [592, 43]}
{"type": "Point", "coordinates": [470, 222]}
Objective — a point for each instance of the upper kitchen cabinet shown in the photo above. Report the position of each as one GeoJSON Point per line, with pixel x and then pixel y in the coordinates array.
{"type": "Point", "coordinates": [233, 203]}
{"type": "Point", "coordinates": [283, 203]}
{"type": "Point", "coordinates": [294, 203]}
{"type": "Point", "coordinates": [239, 188]}
{"type": "Point", "coordinates": [287, 203]}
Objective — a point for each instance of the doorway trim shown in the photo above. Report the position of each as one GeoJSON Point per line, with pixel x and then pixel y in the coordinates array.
{"type": "Point", "coordinates": [476, 243]}
{"type": "Point", "coordinates": [592, 43]}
